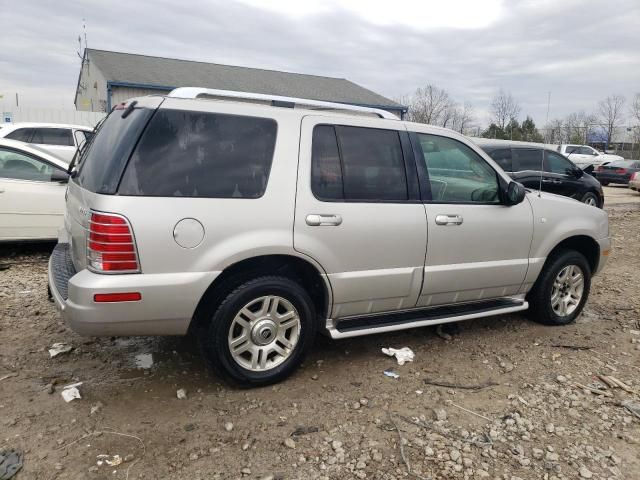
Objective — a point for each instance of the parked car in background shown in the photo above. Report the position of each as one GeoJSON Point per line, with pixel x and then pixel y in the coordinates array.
{"type": "Point", "coordinates": [256, 221]}
{"type": "Point", "coordinates": [584, 155]}
{"type": "Point", "coordinates": [617, 172]}
{"type": "Point", "coordinates": [32, 187]}
{"type": "Point", "coordinates": [60, 139]}
{"type": "Point", "coordinates": [559, 175]}
{"type": "Point", "coordinates": [634, 181]}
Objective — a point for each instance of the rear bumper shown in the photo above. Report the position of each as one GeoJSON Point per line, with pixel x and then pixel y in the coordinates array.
{"type": "Point", "coordinates": [167, 306]}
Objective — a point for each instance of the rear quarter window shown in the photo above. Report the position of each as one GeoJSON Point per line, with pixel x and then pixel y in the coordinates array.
{"type": "Point", "coordinates": [197, 154]}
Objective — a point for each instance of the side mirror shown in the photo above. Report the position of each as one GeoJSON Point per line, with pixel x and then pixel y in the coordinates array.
{"type": "Point", "coordinates": [589, 170]}
{"type": "Point", "coordinates": [575, 172]}
{"type": "Point", "coordinates": [515, 193]}
{"type": "Point", "coordinates": [59, 176]}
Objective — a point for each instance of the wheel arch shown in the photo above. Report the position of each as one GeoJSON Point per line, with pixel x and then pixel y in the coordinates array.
{"type": "Point", "coordinates": [302, 269]}
{"type": "Point", "coordinates": [583, 244]}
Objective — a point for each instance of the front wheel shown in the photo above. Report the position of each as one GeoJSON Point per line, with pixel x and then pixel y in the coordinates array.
{"type": "Point", "coordinates": [261, 331]}
{"type": "Point", "coordinates": [590, 199]}
{"type": "Point", "coordinates": [561, 290]}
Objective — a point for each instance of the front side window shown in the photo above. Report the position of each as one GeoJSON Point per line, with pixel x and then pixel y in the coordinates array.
{"type": "Point", "coordinates": [557, 163]}
{"type": "Point", "coordinates": [198, 154]}
{"type": "Point", "coordinates": [456, 173]}
{"type": "Point", "coordinates": [53, 136]}
{"type": "Point", "coordinates": [527, 159]}
{"type": "Point", "coordinates": [21, 134]}
{"type": "Point", "coordinates": [18, 166]}
{"type": "Point", "coordinates": [357, 164]}
{"type": "Point", "coordinates": [586, 151]}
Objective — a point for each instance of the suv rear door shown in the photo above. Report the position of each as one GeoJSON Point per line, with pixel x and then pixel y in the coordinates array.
{"type": "Point", "coordinates": [478, 248]}
{"type": "Point", "coordinates": [358, 213]}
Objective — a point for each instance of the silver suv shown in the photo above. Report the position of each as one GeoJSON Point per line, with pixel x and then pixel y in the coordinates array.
{"type": "Point", "coordinates": [254, 221]}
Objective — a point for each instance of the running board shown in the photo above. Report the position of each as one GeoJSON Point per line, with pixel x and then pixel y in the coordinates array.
{"type": "Point", "coordinates": [367, 325]}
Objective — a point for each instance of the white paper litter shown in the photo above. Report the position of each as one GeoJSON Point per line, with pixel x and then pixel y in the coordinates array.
{"type": "Point", "coordinates": [403, 355]}
{"type": "Point", "coordinates": [390, 374]}
{"type": "Point", "coordinates": [181, 394]}
{"type": "Point", "coordinates": [58, 348]}
{"type": "Point", "coordinates": [70, 394]}
{"type": "Point", "coordinates": [111, 460]}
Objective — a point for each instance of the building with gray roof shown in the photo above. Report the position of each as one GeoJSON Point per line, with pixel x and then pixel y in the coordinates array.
{"type": "Point", "coordinates": [108, 78]}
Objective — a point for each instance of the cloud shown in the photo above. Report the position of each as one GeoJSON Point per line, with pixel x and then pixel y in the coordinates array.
{"type": "Point", "coordinates": [580, 51]}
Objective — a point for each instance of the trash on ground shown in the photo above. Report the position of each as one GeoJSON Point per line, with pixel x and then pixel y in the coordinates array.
{"type": "Point", "coordinates": [144, 361]}
{"type": "Point", "coordinates": [10, 462]}
{"type": "Point", "coordinates": [304, 431]}
{"type": "Point", "coordinates": [58, 348]}
{"type": "Point", "coordinates": [71, 392]}
{"type": "Point", "coordinates": [111, 460]}
{"type": "Point", "coordinates": [181, 394]}
{"type": "Point", "coordinates": [390, 374]}
{"type": "Point", "coordinates": [403, 355]}
{"type": "Point", "coordinates": [96, 407]}
{"type": "Point", "coordinates": [632, 407]}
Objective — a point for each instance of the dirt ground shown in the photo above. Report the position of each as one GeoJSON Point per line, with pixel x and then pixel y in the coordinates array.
{"type": "Point", "coordinates": [521, 416]}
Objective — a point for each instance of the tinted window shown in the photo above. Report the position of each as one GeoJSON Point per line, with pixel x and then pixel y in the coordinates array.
{"type": "Point", "coordinates": [456, 172]}
{"type": "Point", "coordinates": [585, 151]}
{"type": "Point", "coordinates": [195, 154]}
{"type": "Point", "coordinates": [503, 158]}
{"type": "Point", "coordinates": [557, 163]}
{"type": "Point", "coordinates": [52, 136]}
{"type": "Point", "coordinates": [326, 172]}
{"type": "Point", "coordinates": [572, 148]}
{"type": "Point", "coordinates": [101, 165]}
{"type": "Point", "coordinates": [21, 134]}
{"type": "Point", "coordinates": [19, 166]}
{"type": "Point", "coordinates": [373, 164]}
{"type": "Point", "coordinates": [527, 159]}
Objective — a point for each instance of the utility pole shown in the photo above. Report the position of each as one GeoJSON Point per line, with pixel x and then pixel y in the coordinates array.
{"type": "Point", "coordinates": [17, 103]}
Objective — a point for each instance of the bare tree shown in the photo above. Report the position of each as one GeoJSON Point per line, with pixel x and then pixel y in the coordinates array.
{"type": "Point", "coordinates": [428, 105]}
{"type": "Point", "coordinates": [578, 125]}
{"type": "Point", "coordinates": [463, 118]}
{"type": "Point", "coordinates": [611, 115]}
{"type": "Point", "coordinates": [635, 108]}
{"type": "Point", "coordinates": [504, 108]}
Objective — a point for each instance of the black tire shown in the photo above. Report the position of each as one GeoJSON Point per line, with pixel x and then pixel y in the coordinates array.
{"type": "Point", "coordinates": [604, 184]}
{"type": "Point", "coordinates": [591, 197]}
{"type": "Point", "coordinates": [214, 337]}
{"type": "Point", "coordinates": [539, 298]}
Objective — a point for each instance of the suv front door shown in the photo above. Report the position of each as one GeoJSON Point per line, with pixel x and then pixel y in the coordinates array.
{"type": "Point", "coordinates": [358, 213]}
{"type": "Point", "coordinates": [478, 248]}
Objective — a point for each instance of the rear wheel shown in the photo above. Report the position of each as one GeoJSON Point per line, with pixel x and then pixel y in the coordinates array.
{"type": "Point", "coordinates": [562, 289]}
{"type": "Point", "coordinates": [590, 199]}
{"type": "Point", "coordinates": [604, 184]}
{"type": "Point", "coordinates": [260, 332]}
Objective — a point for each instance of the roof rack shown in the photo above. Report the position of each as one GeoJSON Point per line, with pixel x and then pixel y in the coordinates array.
{"type": "Point", "coordinates": [276, 101]}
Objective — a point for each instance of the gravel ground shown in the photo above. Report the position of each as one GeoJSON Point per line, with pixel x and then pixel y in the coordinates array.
{"type": "Point", "coordinates": [512, 409]}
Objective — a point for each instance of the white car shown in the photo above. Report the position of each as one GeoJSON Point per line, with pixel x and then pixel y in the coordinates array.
{"type": "Point", "coordinates": [60, 139]}
{"type": "Point", "coordinates": [584, 155]}
{"type": "Point", "coordinates": [32, 187]}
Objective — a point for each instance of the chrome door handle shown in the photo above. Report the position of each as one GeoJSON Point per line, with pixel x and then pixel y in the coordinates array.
{"type": "Point", "coordinates": [448, 220]}
{"type": "Point", "coordinates": [316, 220]}
{"type": "Point", "coordinates": [546, 180]}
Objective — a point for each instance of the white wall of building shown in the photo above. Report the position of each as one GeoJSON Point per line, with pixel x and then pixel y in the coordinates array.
{"type": "Point", "coordinates": [74, 117]}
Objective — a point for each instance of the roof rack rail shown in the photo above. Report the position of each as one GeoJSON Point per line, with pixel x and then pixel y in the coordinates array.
{"type": "Point", "coordinates": [276, 101]}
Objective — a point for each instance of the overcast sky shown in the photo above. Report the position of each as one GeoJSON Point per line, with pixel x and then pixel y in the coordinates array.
{"type": "Point", "coordinates": [581, 51]}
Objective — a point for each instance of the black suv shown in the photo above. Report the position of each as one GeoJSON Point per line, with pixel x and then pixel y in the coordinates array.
{"type": "Point", "coordinates": [559, 175]}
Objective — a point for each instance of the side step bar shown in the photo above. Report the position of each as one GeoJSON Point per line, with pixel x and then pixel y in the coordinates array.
{"type": "Point", "coordinates": [367, 325]}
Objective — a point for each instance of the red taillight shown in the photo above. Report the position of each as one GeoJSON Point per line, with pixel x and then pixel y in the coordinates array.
{"type": "Point", "coordinates": [634, 176]}
{"type": "Point", "coordinates": [117, 297]}
{"type": "Point", "coordinates": [111, 247]}
{"type": "Point", "coordinates": [621, 170]}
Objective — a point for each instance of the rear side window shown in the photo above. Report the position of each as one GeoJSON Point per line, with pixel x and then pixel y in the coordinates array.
{"type": "Point", "coordinates": [527, 159]}
{"type": "Point", "coordinates": [196, 154]}
{"type": "Point", "coordinates": [53, 136]}
{"type": "Point", "coordinates": [357, 164]}
{"type": "Point", "coordinates": [21, 134]}
{"type": "Point", "coordinates": [503, 158]}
